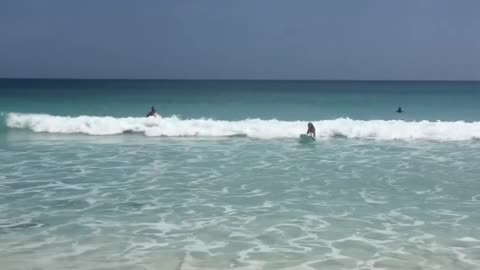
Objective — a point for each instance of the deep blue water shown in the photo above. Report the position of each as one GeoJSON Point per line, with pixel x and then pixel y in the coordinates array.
{"type": "Point", "coordinates": [236, 100]}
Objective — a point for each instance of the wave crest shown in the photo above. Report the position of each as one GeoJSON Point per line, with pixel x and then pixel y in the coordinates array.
{"type": "Point", "coordinates": [254, 128]}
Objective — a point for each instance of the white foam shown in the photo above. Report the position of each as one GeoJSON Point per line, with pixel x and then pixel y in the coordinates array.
{"type": "Point", "coordinates": [254, 128]}
{"type": "Point", "coordinates": [468, 239]}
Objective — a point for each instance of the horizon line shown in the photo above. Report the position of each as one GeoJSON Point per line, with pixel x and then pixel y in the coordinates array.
{"type": "Point", "coordinates": [232, 79]}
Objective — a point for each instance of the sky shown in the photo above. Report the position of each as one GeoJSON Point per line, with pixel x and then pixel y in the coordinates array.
{"type": "Point", "coordinates": [241, 39]}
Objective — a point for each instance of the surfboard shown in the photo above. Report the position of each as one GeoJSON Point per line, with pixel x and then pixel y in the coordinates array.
{"type": "Point", "coordinates": [304, 138]}
{"type": "Point", "coordinates": [154, 115]}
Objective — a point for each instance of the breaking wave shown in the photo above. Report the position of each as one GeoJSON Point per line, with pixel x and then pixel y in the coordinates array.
{"type": "Point", "coordinates": [254, 128]}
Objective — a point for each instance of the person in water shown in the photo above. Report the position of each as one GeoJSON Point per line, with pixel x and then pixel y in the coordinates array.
{"type": "Point", "coordinates": [399, 110]}
{"type": "Point", "coordinates": [311, 130]}
{"type": "Point", "coordinates": [152, 112]}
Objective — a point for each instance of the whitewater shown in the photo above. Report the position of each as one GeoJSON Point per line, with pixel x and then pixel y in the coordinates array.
{"type": "Point", "coordinates": [174, 126]}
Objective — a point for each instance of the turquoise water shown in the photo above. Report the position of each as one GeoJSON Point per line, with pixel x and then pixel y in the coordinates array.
{"type": "Point", "coordinates": [87, 182]}
{"type": "Point", "coordinates": [238, 100]}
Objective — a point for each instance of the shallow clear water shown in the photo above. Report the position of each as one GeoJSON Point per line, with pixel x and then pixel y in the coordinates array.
{"type": "Point", "coordinates": [130, 201]}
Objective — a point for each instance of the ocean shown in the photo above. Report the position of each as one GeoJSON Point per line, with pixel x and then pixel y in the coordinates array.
{"type": "Point", "coordinates": [220, 179]}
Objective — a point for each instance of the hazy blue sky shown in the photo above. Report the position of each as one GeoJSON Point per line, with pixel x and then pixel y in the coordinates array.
{"type": "Point", "coordinates": [270, 39]}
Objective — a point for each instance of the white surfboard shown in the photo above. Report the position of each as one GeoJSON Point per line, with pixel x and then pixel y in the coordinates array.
{"type": "Point", "coordinates": [304, 138]}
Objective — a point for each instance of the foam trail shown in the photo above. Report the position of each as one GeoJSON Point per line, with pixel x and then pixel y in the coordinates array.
{"type": "Point", "coordinates": [254, 128]}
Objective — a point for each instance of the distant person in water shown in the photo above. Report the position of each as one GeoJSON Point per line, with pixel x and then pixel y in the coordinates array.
{"type": "Point", "coordinates": [311, 130]}
{"type": "Point", "coordinates": [152, 112]}
{"type": "Point", "coordinates": [399, 110]}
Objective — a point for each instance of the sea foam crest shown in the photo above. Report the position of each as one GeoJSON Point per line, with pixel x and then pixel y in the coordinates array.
{"type": "Point", "coordinates": [254, 128]}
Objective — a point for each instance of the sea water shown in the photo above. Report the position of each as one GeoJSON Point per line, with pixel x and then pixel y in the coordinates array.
{"type": "Point", "coordinates": [220, 181]}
